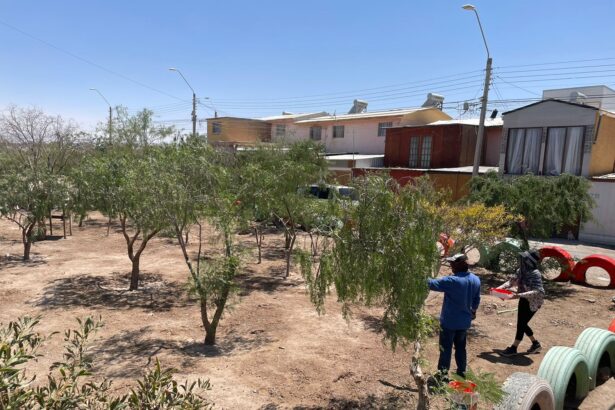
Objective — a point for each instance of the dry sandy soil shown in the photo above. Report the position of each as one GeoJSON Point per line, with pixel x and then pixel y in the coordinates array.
{"type": "Point", "coordinates": [274, 350]}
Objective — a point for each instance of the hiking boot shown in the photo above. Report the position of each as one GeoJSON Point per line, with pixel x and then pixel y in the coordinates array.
{"type": "Point", "coordinates": [509, 351]}
{"type": "Point", "coordinates": [535, 348]}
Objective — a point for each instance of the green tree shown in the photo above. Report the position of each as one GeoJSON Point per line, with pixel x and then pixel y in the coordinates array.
{"type": "Point", "coordinates": [546, 204]}
{"type": "Point", "coordinates": [274, 178]}
{"type": "Point", "coordinates": [27, 197]}
{"type": "Point", "coordinates": [383, 255]}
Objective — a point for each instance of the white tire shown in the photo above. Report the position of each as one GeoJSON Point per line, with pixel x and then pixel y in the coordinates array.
{"type": "Point", "coordinates": [525, 391]}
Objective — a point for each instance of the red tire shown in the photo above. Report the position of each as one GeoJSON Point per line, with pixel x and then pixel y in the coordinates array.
{"type": "Point", "coordinates": [600, 261]}
{"type": "Point", "coordinates": [564, 258]}
{"type": "Point", "coordinates": [612, 327]}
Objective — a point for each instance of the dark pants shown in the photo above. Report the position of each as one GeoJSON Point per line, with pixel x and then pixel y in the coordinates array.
{"type": "Point", "coordinates": [448, 338]}
{"type": "Point", "coordinates": [524, 315]}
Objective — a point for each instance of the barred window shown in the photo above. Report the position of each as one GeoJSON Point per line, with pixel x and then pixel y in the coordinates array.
{"type": "Point", "coordinates": [338, 131]}
{"type": "Point", "coordinates": [382, 128]}
{"type": "Point", "coordinates": [315, 133]}
{"type": "Point", "coordinates": [426, 152]}
{"type": "Point", "coordinates": [414, 152]}
{"type": "Point", "coordinates": [280, 130]}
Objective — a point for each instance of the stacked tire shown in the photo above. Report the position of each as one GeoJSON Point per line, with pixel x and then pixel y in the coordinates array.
{"type": "Point", "coordinates": [560, 366]}
{"type": "Point", "coordinates": [526, 391]}
{"type": "Point", "coordinates": [598, 347]}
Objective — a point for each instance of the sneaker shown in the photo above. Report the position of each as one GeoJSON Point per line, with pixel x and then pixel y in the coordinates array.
{"type": "Point", "coordinates": [509, 351]}
{"type": "Point", "coordinates": [535, 348]}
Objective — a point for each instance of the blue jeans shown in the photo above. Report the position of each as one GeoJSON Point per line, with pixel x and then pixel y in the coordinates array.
{"type": "Point", "coordinates": [448, 338]}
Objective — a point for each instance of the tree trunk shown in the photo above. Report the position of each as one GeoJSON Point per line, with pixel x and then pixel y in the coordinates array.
{"type": "Point", "coordinates": [81, 218]}
{"type": "Point", "coordinates": [419, 378]}
{"type": "Point", "coordinates": [134, 275]}
{"type": "Point", "coordinates": [108, 226]}
{"type": "Point", "coordinates": [259, 242]}
{"type": "Point", "coordinates": [26, 250]}
{"type": "Point", "coordinates": [289, 252]}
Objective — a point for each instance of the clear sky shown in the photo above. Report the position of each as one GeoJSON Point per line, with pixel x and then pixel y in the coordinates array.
{"type": "Point", "coordinates": [254, 58]}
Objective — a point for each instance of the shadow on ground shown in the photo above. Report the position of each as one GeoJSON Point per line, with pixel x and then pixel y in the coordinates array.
{"type": "Point", "coordinates": [154, 293]}
{"type": "Point", "coordinates": [250, 281]}
{"type": "Point", "coordinates": [390, 401]}
{"type": "Point", "coordinates": [127, 354]}
{"type": "Point", "coordinates": [372, 322]}
{"type": "Point", "coordinates": [14, 261]}
{"type": "Point", "coordinates": [495, 357]}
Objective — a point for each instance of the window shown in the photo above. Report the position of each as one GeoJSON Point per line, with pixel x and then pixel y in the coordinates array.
{"type": "Point", "coordinates": [315, 133]}
{"type": "Point", "coordinates": [426, 152]}
{"type": "Point", "coordinates": [414, 152]}
{"type": "Point", "coordinates": [420, 152]}
{"type": "Point", "coordinates": [280, 130]}
{"type": "Point", "coordinates": [216, 128]}
{"type": "Point", "coordinates": [382, 128]}
{"type": "Point", "coordinates": [564, 151]}
{"type": "Point", "coordinates": [523, 151]}
{"type": "Point", "coordinates": [338, 131]}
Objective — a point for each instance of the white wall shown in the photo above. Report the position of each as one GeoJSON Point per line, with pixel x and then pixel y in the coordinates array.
{"type": "Point", "coordinates": [360, 136]}
{"type": "Point", "coordinates": [602, 228]}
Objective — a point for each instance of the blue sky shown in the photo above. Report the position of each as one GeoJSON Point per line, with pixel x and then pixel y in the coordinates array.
{"type": "Point", "coordinates": [259, 58]}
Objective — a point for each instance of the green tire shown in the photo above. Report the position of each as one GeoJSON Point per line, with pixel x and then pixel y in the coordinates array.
{"type": "Point", "coordinates": [558, 367]}
{"type": "Point", "coordinates": [594, 343]}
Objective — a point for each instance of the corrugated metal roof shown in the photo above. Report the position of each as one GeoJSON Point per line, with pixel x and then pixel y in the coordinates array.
{"type": "Point", "coordinates": [291, 116]}
{"type": "Point", "coordinates": [496, 122]}
{"type": "Point", "coordinates": [363, 115]}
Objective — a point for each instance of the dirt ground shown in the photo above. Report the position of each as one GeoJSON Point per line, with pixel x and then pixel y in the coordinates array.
{"type": "Point", "coordinates": [274, 350]}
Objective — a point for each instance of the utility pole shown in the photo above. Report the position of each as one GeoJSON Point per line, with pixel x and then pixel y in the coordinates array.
{"type": "Point", "coordinates": [193, 100]}
{"type": "Point", "coordinates": [478, 152]}
{"type": "Point", "coordinates": [483, 109]}
{"type": "Point", "coordinates": [110, 123]}
{"type": "Point", "coordinates": [193, 114]}
{"type": "Point", "coordinates": [110, 112]}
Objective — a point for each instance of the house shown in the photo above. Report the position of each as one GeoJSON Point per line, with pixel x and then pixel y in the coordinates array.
{"type": "Point", "coordinates": [283, 126]}
{"type": "Point", "coordinates": [237, 130]}
{"type": "Point", "coordinates": [554, 136]}
{"type": "Point", "coordinates": [362, 132]}
{"type": "Point", "coordinates": [441, 144]}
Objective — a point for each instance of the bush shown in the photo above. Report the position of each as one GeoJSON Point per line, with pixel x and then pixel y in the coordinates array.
{"type": "Point", "coordinates": [68, 384]}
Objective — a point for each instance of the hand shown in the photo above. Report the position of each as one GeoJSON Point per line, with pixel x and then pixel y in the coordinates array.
{"type": "Point", "coordinates": [515, 296]}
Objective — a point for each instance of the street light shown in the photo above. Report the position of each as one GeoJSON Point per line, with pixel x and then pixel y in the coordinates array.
{"type": "Point", "coordinates": [193, 100]}
{"type": "Point", "coordinates": [110, 110]}
{"type": "Point", "coordinates": [483, 109]}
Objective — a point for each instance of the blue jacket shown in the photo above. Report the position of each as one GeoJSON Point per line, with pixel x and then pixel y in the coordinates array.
{"type": "Point", "coordinates": [461, 297]}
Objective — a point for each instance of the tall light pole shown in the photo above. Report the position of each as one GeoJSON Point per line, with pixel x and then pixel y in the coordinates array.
{"type": "Point", "coordinates": [193, 101]}
{"type": "Point", "coordinates": [483, 109]}
{"type": "Point", "coordinates": [110, 111]}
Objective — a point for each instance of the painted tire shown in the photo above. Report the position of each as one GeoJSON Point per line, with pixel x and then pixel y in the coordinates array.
{"type": "Point", "coordinates": [526, 391]}
{"type": "Point", "coordinates": [594, 343]}
{"type": "Point", "coordinates": [612, 326]}
{"type": "Point", "coordinates": [559, 365]}
{"type": "Point", "coordinates": [601, 261]}
{"type": "Point", "coordinates": [563, 257]}
{"type": "Point", "coordinates": [485, 256]}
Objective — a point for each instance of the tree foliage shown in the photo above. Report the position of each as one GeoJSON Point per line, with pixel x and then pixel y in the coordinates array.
{"type": "Point", "coordinates": [546, 204]}
{"type": "Point", "coordinates": [69, 384]}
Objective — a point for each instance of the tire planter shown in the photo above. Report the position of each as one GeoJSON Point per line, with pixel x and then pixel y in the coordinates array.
{"type": "Point", "coordinates": [594, 343]}
{"type": "Point", "coordinates": [612, 326]}
{"type": "Point", "coordinates": [564, 258]}
{"type": "Point", "coordinates": [524, 391]}
{"type": "Point", "coordinates": [601, 261]}
{"type": "Point", "coordinates": [558, 366]}
{"type": "Point", "coordinates": [490, 257]}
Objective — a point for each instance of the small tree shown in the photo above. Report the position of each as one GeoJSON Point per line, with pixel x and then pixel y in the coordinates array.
{"type": "Point", "coordinates": [26, 198]}
{"type": "Point", "coordinates": [275, 178]}
{"type": "Point", "coordinates": [383, 255]}
{"type": "Point", "coordinates": [546, 204]}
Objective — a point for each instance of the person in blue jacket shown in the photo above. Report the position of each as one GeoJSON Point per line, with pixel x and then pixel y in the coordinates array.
{"type": "Point", "coordinates": [461, 300]}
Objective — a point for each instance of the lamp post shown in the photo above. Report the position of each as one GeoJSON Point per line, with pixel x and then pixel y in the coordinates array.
{"type": "Point", "coordinates": [193, 100]}
{"type": "Point", "coordinates": [110, 111]}
{"type": "Point", "coordinates": [483, 109]}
